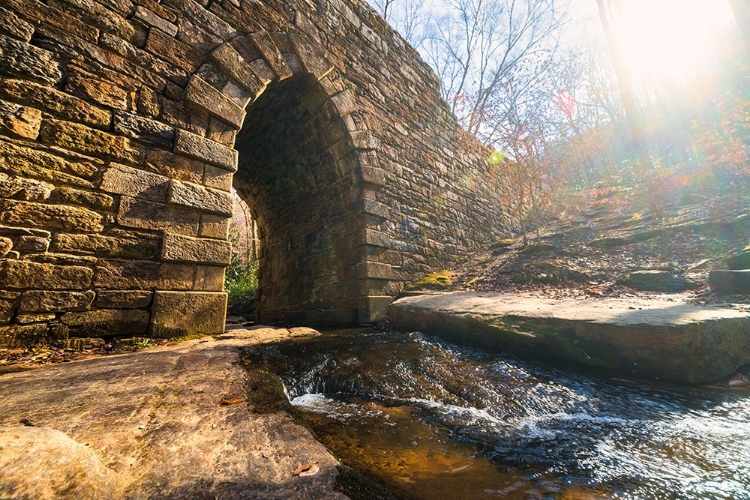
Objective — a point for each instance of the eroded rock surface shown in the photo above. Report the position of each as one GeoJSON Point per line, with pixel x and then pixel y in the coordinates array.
{"type": "Point", "coordinates": [172, 422]}
{"type": "Point", "coordinates": [652, 338]}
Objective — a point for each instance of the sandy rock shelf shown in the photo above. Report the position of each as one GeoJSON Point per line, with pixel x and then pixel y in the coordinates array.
{"type": "Point", "coordinates": [171, 422]}
{"type": "Point", "coordinates": [660, 337]}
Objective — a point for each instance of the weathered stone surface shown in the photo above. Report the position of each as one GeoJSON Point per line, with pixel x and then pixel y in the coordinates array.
{"type": "Point", "coordinates": [26, 61]}
{"type": "Point", "coordinates": [6, 245]}
{"type": "Point", "coordinates": [145, 130]}
{"type": "Point", "coordinates": [142, 275]}
{"type": "Point", "coordinates": [55, 102]}
{"type": "Point", "coordinates": [71, 196]}
{"type": "Point", "coordinates": [19, 121]}
{"type": "Point", "coordinates": [24, 189]}
{"type": "Point", "coordinates": [209, 279]}
{"type": "Point", "coordinates": [34, 318]}
{"type": "Point", "coordinates": [739, 261]}
{"type": "Point", "coordinates": [214, 226]}
{"type": "Point", "coordinates": [644, 338]}
{"type": "Point", "coordinates": [656, 281]}
{"type": "Point", "coordinates": [198, 147]}
{"type": "Point", "coordinates": [123, 299]}
{"type": "Point", "coordinates": [11, 24]}
{"type": "Point", "coordinates": [730, 282]}
{"type": "Point", "coordinates": [23, 231]}
{"type": "Point", "coordinates": [271, 54]}
{"type": "Point", "coordinates": [154, 20]}
{"type": "Point", "coordinates": [32, 244]}
{"type": "Point", "coordinates": [46, 301]}
{"type": "Point", "coordinates": [170, 49]}
{"type": "Point", "coordinates": [158, 216]}
{"type": "Point", "coordinates": [203, 95]}
{"type": "Point", "coordinates": [178, 248]}
{"type": "Point", "coordinates": [61, 259]}
{"type": "Point", "coordinates": [28, 162]}
{"type": "Point", "coordinates": [90, 141]}
{"type": "Point", "coordinates": [102, 92]}
{"type": "Point", "coordinates": [62, 217]}
{"type": "Point", "coordinates": [181, 313]}
{"type": "Point", "coordinates": [228, 59]}
{"type": "Point", "coordinates": [23, 335]}
{"type": "Point", "coordinates": [121, 179]}
{"type": "Point", "coordinates": [107, 246]}
{"type": "Point", "coordinates": [108, 322]}
{"type": "Point", "coordinates": [8, 304]}
{"type": "Point", "coordinates": [156, 420]}
{"type": "Point", "coordinates": [199, 197]}
{"type": "Point", "coordinates": [23, 275]}
{"type": "Point", "coordinates": [177, 166]}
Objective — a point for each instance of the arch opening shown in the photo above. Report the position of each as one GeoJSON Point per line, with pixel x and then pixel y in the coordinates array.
{"type": "Point", "coordinates": [290, 177]}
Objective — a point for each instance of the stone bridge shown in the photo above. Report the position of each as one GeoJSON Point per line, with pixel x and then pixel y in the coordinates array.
{"type": "Point", "coordinates": [125, 124]}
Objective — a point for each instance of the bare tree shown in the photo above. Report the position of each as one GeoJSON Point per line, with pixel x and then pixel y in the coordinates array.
{"type": "Point", "coordinates": [482, 49]}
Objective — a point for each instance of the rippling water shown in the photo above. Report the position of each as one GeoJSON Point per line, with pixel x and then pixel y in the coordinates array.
{"type": "Point", "coordinates": [432, 420]}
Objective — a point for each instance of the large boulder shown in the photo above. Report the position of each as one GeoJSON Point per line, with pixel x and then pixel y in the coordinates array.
{"type": "Point", "coordinates": [656, 281]}
{"type": "Point", "coordinates": [731, 282]}
{"type": "Point", "coordinates": [654, 338]}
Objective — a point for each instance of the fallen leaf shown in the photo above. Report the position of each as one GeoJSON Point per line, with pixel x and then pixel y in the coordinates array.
{"type": "Point", "coordinates": [232, 401]}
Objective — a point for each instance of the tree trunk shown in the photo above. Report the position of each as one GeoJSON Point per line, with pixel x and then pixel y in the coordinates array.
{"type": "Point", "coordinates": [627, 93]}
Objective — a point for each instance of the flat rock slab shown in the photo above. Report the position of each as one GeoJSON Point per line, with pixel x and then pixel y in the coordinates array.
{"type": "Point", "coordinates": [170, 422]}
{"type": "Point", "coordinates": [654, 338]}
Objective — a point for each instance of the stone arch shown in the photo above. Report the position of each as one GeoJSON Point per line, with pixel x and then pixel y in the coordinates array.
{"type": "Point", "coordinates": [313, 264]}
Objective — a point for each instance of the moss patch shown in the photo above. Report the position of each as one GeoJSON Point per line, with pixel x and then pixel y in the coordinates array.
{"type": "Point", "coordinates": [435, 281]}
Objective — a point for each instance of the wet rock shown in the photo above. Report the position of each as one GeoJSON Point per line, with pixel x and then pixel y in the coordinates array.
{"type": "Point", "coordinates": [644, 338]}
{"type": "Point", "coordinates": [656, 281]}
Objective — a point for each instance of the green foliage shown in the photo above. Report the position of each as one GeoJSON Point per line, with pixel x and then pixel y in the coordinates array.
{"type": "Point", "coordinates": [241, 283]}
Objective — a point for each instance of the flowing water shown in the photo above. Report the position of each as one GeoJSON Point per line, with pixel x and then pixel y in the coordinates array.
{"type": "Point", "coordinates": [431, 420]}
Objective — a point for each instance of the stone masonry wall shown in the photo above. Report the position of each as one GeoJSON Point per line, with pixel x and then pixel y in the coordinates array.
{"type": "Point", "coordinates": [118, 124]}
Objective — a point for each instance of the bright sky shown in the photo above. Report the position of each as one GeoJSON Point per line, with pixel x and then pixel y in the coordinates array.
{"type": "Point", "coordinates": [665, 38]}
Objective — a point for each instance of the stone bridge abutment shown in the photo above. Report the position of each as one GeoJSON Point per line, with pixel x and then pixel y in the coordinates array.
{"type": "Point", "coordinates": [125, 125]}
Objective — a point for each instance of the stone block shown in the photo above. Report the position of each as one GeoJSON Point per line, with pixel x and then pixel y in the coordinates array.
{"type": "Point", "coordinates": [19, 121]}
{"type": "Point", "coordinates": [47, 301]}
{"type": "Point", "coordinates": [732, 282]}
{"type": "Point", "coordinates": [123, 299]}
{"type": "Point", "coordinates": [374, 270]}
{"type": "Point", "coordinates": [8, 305]}
{"type": "Point", "coordinates": [231, 62]}
{"type": "Point", "coordinates": [14, 232]}
{"type": "Point", "coordinates": [209, 279]}
{"type": "Point", "coordinates": [203, 95]}
{"type": "Point", "coordinates": [150, 18]}
{"type": "Point", "coordinates": [178, 167]}
{"type": "Point", "coordinates": [107, 322]}
{"type": "Point", "coordinates": [214, 226]}
{"type": "Point", "coordinates": [90, 141]}
{"type": "Point", "coordinates": [56, 217]}
{"type": "Point", "coordinates": [212, 152]}
{"type": "Point", "coordinates": [11, 24]}
{"type": "Point", "coordinates": [178, 248]}
{"type": "Point", "coordinates": [29, 162]}
{"type": "Point", "coordinates": [217, 178]}
{"type": "Point", "coordinates": [28, 62]}
{"type": "Point", "coordinates": [142, 275]}
{"type": "Point", "coordinates": [17, 274]}
{"type": "Point", "coordinates": [176, 314]}
{"type": "Point", "coordinates": [32, 244]}
{"type": "Point", "coordinates": [55, 102]}
{"type": "Point", "coordinates": [23, 335]}
{"type": "Point", "coordinates": [157, 216]}
{"type": "Point", "coordinates": [82, 343]}
{"type": "Point", "coordinates": [25, 319]}
{"type": "Point", "coordinates": [374, 238]}
{"type": "Point", "coordinates": [143, 129]}
{"type": "Point", "coordinates": [6, 245]}
{"type": "Point", "coordinates": [271, 54]}
{"type": "Point", "coordinates": [312, 59]}
{"type": "Point", "coordinates": [142, 247]}
{"type": "Point", "coordinates": [168, 48]}
{"type": "Point", "coordinates": [71, 196]}
{"type": "Point", "coordinates": [136, 183]}
{"type": "Point", "coordinates": [101, 92]}
{"type": "Point", "coordinates": [199, 197]}
{"type": "Point", "coordinates": [372, 309]}
{"type": "Point", "coordinates": [61, 259]}
{"type": "Point", "coordinates": [24, 189]}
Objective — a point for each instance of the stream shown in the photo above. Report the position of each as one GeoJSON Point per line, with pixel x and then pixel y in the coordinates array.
{"type": "Point", "coordinates": [426, 420]}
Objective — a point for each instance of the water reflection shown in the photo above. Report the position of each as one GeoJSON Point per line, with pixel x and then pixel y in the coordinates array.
{"type": "Point", "coordinates": [432, 420]}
